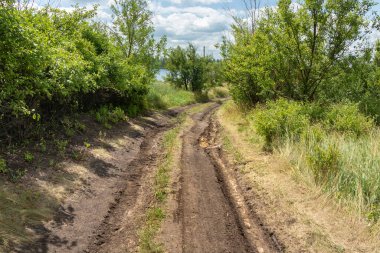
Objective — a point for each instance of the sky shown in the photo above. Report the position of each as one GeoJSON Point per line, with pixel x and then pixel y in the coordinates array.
{"type": "Point", "coordinates": [200, 22]}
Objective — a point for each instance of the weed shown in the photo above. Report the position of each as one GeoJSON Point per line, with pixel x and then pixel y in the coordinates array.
{"type": "Point", "coordinates": [28, 157]}
{"type": "Point", "coordinates": [107, 115]}
{"type": "Point", "coordinates": [61, 146]}
{"type": "Point", "coordinates": [87, 145]}
{"type": "Point", "coordinates": [3, 166]}
{"type": "Point", "coordinates": [42, 145]}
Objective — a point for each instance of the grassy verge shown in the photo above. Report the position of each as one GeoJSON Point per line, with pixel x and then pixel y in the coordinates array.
{"type": "Point", "coordinates": [20, 208]}
{"type": "Point", "coordinates": [162, 95]}
{"type": "Point", "coordinates": [285, 186]}
{"type": "Point", "coordinates": [339, 153]}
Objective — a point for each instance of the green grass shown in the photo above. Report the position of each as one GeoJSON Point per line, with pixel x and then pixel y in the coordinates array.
{"type": "Point", "coordinates": [163, 95]}
{"type": "Point", "coordinates": [346, 167]}
{"type": "Point", "coordinates": [343, 164]}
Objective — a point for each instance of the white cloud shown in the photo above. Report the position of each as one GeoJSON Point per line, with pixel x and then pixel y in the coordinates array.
{"type": "Point", "coordinates": [199, 25]}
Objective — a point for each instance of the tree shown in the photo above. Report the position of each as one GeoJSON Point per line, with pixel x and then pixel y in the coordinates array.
{"type": "Point", "coordinates": [295, 49]}
{"type": "Point", "coordinates": [187, 69]}
{"type": "Point", "coordinates": [134, 31]}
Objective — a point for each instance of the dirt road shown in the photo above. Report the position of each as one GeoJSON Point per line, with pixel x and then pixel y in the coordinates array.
{"type": "Point", "coordinates": [205, 211]}
{"type": "Point", "coordinates": [210, 212]}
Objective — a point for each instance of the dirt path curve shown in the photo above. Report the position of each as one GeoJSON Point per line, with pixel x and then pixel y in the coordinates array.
{"type": "Point", "coordinates": [210, 217]}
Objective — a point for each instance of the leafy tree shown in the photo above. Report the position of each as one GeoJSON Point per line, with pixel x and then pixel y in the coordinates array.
{"type": "Point", "coordinates": [134, 32]}
{"type": "Point", "coordinates": [294, 50]}
{"type": "Point", "coordinates": [187, 69]}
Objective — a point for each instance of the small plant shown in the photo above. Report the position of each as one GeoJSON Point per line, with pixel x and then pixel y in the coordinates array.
{"type": "Point", "coordinates": [78, 154]}
{"type": "Point", "coordinates": [28, 157]}
{"type": "Point", "coordinates": [87, 145]}
{"type": "Point", "coordinates": [17, 174]}
{"type": "Point", "coordinates": [106, 115]}
{"type": "Point", "coordinates": [3, 166]}
{"type": "Point", "coordinates": [61, 146]}
{"type": "Point", "coordinates": [42, 145]}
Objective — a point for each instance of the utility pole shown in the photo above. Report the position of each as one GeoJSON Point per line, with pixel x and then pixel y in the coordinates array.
{"type": "Point", "coordinates": [204, 51]}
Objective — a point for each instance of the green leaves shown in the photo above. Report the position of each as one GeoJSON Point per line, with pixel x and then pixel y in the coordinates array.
{"type": "Point", "coordinates": [54, 62]}
{"type": "Point", "coordinates": [294, 50]}
{"type": "Point", "coordinates": [188, 70]}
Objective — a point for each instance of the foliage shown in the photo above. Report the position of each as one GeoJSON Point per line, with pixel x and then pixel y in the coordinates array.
{"type": "Point", "coordinates": [107, 115]}
{"type": "Point", "coordinates": [348, 119]}
{"type": "Point", "coordinates": [134, 33]}
{"type": "Point", "coordinates": [54, 63]}
{"type": "Point", "coordinates": [187, 69]}
{"type": "Point", "coordinates": [3, 166]}
{"type": "Point", "coordinates": [163, 95]}
{"type": "Point", "coordinates": [295, 50]}
{"type": "Point", "coordinates": [279, 120]}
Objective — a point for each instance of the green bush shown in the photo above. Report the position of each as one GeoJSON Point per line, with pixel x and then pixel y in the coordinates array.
{"type": "Point", "coordinates": [218, 92]}
{"type": "Point", "coordinates": [347, 118]}
{"type": "Point", "coordinates": [280, 119]}
{"type": "Point", "coordinates": [107, 115]}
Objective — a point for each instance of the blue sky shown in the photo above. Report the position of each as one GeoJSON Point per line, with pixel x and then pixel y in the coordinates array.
{"type": "Point", "coordinates": [201, 22]}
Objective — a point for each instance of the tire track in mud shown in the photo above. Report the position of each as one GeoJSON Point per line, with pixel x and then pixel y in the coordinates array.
{"type": "Point", "coordinates": [119, 230]}
{"type": "Point", "coordinates": [210, 213]}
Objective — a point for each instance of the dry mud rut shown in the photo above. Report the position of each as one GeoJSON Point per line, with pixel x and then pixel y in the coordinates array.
{"type": "Point", "coordinates": [206, 210]}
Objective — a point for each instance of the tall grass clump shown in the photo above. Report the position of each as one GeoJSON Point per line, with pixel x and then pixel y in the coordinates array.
{"type": "Point", "coordinates": [334, 147]}
{"type": "Point", "coordinates": [345, 166]}
{"type": "Point", "coordinates": [163, 95]}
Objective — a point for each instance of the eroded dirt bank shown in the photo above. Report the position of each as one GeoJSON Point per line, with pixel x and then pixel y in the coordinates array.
{"type": "Point", "coordinates": [105, 203]}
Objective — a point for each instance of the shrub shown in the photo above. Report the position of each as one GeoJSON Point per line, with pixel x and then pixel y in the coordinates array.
{"type": "Point", "coordinates": [281, 119]}
{"type": "Point", "coordinates": [218, 92]}
{"type": "Point", "coordinates": [106, 115]}
{"type": "Point", "coordinates": [346, 118]}
{"type": "Point", "coordinates": [324, 161]}
{"type": "Point", "coordinates": [28, 157]}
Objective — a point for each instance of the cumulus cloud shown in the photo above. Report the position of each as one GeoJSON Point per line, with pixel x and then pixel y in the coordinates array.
{"type": "Point", "coordinates": [199, 25]}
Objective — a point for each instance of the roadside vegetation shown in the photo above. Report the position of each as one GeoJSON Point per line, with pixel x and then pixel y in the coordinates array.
{"type": "Point", "coordinates": [163, 95]}
{"type": "Point", "coordinates": [64, 75]}
{"type": "Point", "coordinates": [309, 86]}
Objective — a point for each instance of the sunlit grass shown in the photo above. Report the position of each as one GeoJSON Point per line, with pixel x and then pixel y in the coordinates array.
{"type": "Point", "coordinates": [163, 95]}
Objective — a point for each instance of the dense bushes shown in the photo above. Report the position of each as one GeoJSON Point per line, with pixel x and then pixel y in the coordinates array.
{"type": "Point", "coordinates": [282, 119]}
{"type": "Point", "coordinates": [54, 62]}
{"type": "Point", "coordinates": [337, 145]}
{"type": "Point", "coordinates": [300, 52]}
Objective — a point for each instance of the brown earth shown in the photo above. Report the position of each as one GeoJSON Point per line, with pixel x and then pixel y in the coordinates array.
{"type": "Point", "coordinates": [215, 203]}
{"type": "Point", "coordinates": [206, 209]}
{"type": "Point", "coordinates": [100, 197]}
